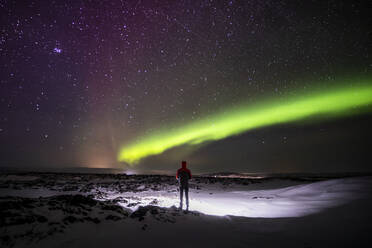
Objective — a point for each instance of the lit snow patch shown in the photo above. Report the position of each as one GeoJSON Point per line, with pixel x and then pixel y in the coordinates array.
{"type": "Point", "coordinates": [294, 201]}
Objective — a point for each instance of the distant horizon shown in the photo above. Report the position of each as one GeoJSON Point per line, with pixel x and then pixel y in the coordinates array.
{"type": "Point", "coordinates": [132, 171]}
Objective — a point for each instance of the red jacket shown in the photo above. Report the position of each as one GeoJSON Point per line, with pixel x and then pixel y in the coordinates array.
{"type": "Point", "coordinates": [183, 169]}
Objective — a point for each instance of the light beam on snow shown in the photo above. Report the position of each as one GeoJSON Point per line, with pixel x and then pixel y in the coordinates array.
{"type": "Point", "coordinates": [293, 201]}
{"type": "Point", "coordinates": [327, 103]}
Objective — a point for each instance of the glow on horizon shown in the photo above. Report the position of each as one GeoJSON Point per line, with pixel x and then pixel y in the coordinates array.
{"type": "Point", "coordinates": [329, 103]}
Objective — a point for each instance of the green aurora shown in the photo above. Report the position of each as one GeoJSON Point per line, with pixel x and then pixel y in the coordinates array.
{"type": "Point", "coordinates": [333, 102]}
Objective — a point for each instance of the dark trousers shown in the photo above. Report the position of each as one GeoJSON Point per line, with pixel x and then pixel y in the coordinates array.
{"type": "Point", "coordinates": [186, 189]}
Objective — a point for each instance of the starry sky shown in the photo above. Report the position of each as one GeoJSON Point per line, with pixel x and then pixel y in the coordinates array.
{"type": "Point", "coordinates": [81, 79]}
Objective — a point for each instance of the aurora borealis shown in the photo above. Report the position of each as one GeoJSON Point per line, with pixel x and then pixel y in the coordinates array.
{"type": "Point", "coordinates": [247, 86]}
{"type": "Point", "coordinates": [329, 103]}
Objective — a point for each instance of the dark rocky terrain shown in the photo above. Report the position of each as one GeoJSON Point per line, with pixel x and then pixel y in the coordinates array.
{"type": "Point", "coordinates": [37, 206]}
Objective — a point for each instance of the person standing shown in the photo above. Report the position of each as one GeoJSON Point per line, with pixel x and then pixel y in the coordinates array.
{"type": "Point", "coordinates": [183, 176]}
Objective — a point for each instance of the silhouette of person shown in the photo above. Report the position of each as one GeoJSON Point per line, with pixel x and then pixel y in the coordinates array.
{"type": "Point", "coordinates": [183, 176]}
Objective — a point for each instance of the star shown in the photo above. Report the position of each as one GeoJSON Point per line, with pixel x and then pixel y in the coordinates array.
{"type": "Point", "coordinates": [57, 50]}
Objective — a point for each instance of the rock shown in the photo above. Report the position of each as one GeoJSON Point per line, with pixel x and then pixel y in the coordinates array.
{"type": "Point", "coordinates": [132, 204]}
{"type": "Point", "coordinates": [82, 200]}
{"type": "Point", "coordinates": [141, 212]}
{"type": "Point", "coordinates": [113, 217]}
{"type": "Point", "coordinates": [41, 219]}
{"type": "Point", "coordinates": [115, 208]}
{"type": "Point", "coordinates": [70, 219]}
{"type": "Point", "coordinates": [154, 211]}
{"type": "Point", "coordinates": [94, 220]}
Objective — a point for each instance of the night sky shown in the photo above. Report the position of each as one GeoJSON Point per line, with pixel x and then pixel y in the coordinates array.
{"type": "Point", "coordinates": [79, 80]}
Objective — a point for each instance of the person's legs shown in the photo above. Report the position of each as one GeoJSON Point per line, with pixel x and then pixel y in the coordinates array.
{"type": "Point", "coordinates": [181, 196]}
{"type": "Point", "coordinates": [187, 197]}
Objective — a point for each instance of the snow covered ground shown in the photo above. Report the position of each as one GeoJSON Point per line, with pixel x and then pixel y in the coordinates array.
{"type": "Point", "coordinates": [93, 210]}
